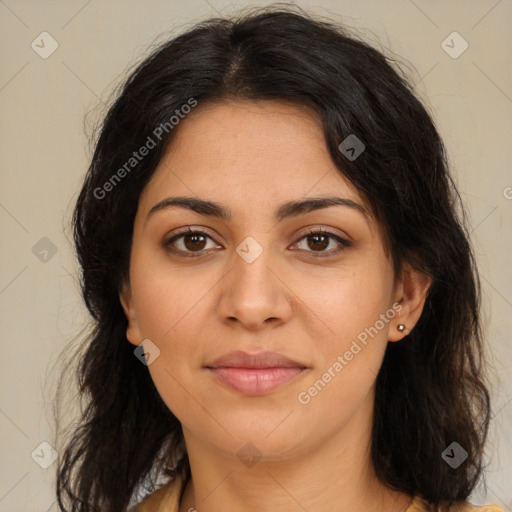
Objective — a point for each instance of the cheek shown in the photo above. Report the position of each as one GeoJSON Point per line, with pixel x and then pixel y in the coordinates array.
{"type": "Point", "coordinates": [169, 307]}
{"type": "Point", "coordinates": [345, 373]}
{"type": "Point", "coordinates": [345, 305]}
{"type": "Point", "coordinates": [332, 312]}
{"type": "Point", "coordinates": [356, 314]}
{"type": "Point", "coordinates": [167, 299]}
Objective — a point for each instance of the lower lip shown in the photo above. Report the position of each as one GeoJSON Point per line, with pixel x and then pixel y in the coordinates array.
{"type": "Point", "coordinates": [255, 381]}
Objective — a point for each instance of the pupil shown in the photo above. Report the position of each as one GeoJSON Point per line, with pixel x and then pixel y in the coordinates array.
{"type": "Point", "coordinates": [316, 238]}
{"type": "Point", "coordinates": [192, 241]}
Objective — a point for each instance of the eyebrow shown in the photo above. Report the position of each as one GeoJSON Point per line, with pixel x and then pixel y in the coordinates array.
{"type": "Point", "coordinates": [285, 211]}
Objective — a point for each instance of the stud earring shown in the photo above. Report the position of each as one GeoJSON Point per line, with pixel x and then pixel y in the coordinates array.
{"type": "Point", "coordinates": [401, 327]}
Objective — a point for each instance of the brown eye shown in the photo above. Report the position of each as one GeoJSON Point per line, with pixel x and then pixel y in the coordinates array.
{"type": "Point", "coordinates": [194, 241]}
{"type": "Point", "coordinates": [189, 242]}
{"type": "Point", "coordinates": [319, 240]}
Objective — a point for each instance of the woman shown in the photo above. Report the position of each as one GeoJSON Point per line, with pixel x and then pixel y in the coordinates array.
{"type": "Point", "coordinates": [285, 299]}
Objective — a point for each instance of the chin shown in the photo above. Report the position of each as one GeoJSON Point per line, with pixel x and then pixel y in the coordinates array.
{"type": "Point", "coordinates": [260, 441]}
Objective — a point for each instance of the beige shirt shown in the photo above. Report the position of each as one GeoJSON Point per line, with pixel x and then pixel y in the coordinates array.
{"type": "Point", "coordinates": [167, 499]}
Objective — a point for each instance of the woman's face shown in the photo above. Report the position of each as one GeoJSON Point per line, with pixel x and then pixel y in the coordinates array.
{"type": "Point", "coordinates": [257, 281]}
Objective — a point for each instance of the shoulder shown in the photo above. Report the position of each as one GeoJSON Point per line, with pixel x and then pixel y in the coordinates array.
{"type": "Point", "coordinates": [164, 499]}
{"type": "Point", "coordinates": [468, 507]}
{"type": "Point", "coordinates": [420, 505]}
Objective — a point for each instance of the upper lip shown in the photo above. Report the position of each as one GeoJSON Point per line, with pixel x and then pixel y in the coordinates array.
{"type": "Point", "coordinates": [240, 359]}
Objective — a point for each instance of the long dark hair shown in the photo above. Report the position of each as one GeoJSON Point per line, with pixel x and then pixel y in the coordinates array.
{"type": "Point", "coordinates": [430, 390]}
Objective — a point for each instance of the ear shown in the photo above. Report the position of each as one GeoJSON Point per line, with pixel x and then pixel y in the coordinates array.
{"type": "Point", "coordinates": [132, 331]}
{"type": "Point", "coordinates": [411, 294]}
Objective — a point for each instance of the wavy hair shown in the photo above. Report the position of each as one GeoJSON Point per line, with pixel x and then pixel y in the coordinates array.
{"type": "Point", "coordinates": [430, 390]}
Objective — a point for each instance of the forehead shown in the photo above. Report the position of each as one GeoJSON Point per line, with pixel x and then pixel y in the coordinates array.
{"type": "Point", "coordinates": [250, 155]}
{"type": "Point", "coordinates": [246, 140]}
{"type": "Point", "coordinates": [250, 139]}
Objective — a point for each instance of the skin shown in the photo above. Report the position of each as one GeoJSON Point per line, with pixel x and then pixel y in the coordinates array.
{"type": "Point", "coordinates": [252, 157]}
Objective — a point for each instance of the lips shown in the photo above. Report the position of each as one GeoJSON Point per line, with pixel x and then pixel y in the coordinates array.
{"type": "Point", "coordinates": [241, 359]}
{"type": "Point", "coordinates": [255, 374]}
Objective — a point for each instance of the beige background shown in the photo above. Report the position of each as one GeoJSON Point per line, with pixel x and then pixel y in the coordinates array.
{"type": "Point", "coordinates": [44, 154]}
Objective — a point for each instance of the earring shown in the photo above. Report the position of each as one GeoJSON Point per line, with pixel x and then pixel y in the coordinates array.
{"type": "Point", "coordinates": [401, 327]}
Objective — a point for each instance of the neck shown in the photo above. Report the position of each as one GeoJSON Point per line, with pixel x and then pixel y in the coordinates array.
{"type": "Point", "coordinates": [333, 474]}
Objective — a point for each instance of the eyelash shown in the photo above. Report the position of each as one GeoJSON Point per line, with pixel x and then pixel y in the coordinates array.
{"type": "Point", "coordinates": [315, 254]}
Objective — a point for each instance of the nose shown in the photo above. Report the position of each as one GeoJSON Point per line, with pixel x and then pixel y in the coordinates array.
{"type": "Point", "coordinates": [255, 293]}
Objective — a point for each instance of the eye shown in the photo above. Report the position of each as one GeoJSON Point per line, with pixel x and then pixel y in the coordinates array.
{"type": "Point", "coordinates": [189, 242]}
{"type": "Point", "coordinates": [193, 243]}
{"type": "Point", "coordinates": [319, 239]}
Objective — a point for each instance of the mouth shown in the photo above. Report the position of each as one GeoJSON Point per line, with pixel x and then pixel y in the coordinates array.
{"type": "Point", "coordinates": [255, 374]}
